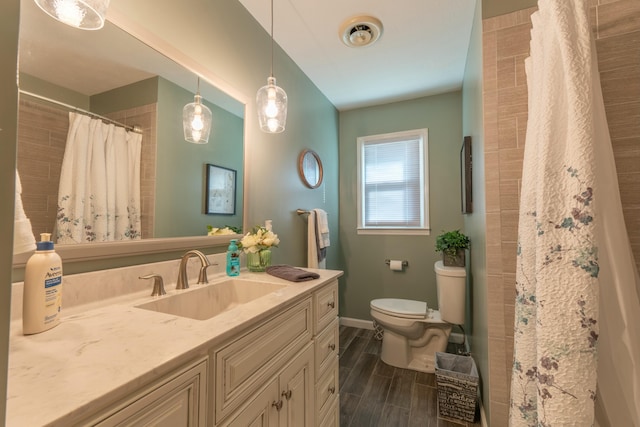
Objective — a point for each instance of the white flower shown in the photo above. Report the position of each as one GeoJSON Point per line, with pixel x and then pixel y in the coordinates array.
{"type": "Point", "coordinates": [258, 239]}
{"type": "Point", "coordinates": [270, 239]}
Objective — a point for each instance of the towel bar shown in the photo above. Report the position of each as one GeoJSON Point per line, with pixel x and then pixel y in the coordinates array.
{"type": "Point", "coordinates": [301, 212]}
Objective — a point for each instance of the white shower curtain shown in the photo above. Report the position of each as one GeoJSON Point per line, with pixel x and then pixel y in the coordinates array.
{"type": "Point", "coordinates": [577, 285]}
{"type": "Point", "coordinates": [99, 193]}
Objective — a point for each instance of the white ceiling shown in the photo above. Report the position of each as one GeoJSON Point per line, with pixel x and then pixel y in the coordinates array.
{"type": "Point", "coordinates": [422, 50]}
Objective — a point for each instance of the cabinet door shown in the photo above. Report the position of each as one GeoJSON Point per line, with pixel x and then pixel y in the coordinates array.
{"type": "Point", "coordinates": [178, 402]}
{"type": "Point", "coordinates": [297, 391]}
{"type": "Point", "coordinates": [262, 410]}
{"type": "Point", "coordinates": [332, 418]}
{"type": "Point", "coordinates": [246, 363]}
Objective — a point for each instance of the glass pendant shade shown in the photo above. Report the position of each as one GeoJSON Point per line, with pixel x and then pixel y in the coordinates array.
{"type": "Point", "coordinates": [271, 102]}
{"type": "Point", "coordinates": [83, 14]}
{"type": "Point", "coordinates": [196, 121]}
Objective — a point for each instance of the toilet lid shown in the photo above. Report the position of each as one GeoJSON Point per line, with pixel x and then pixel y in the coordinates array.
{"type": "Point", "coordinates": [404, 308]}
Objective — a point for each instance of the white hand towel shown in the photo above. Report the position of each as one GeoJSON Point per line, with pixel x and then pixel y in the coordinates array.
{"type": "Point", "coordinates": [323, 228]}
{"type": "Point", "coordinates": [23, 240]}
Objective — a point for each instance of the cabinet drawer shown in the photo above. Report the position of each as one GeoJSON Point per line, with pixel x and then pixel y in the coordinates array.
{"type": "Point", "coordinates": [246, 363]}
{"type": "Point", "coordinates": [327, 390]}
{"type": "Point", "coordinates": [325, 305]}
{"type": "Point", "coordinates": [326, 347]}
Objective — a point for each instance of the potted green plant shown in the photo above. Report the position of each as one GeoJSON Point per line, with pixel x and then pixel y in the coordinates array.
{"type": "Point", "coordinates": [452, 244]}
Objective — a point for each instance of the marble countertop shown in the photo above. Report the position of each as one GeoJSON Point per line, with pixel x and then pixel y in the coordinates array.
{"type": "Point", "coordinates": [98, 355]}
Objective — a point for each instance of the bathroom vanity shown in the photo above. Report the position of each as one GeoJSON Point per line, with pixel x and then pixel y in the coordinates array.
{"type": "Point", "coordinates": [269, 360]}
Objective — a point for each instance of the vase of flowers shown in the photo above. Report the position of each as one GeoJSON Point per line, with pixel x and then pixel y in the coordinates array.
{"type": "Point", "coordinates": [257, 245]}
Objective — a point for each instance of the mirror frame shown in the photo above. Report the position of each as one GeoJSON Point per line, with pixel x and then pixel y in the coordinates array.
{"type": "Point", "coordinates": [301, 170]}
{"type": "Point", "coordinates": [120, 249]}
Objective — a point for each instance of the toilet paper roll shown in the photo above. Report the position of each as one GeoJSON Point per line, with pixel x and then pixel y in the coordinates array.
{"type": "Point", "coordinates": [395, 265]}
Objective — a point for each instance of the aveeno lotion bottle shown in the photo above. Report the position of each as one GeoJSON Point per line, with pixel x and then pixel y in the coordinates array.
{"type": "Point", "coordinates": [42, 298]}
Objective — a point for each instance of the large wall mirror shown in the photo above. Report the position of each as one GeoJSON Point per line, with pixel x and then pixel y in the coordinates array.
{"type": "Point", "coordinates": [115, 75]}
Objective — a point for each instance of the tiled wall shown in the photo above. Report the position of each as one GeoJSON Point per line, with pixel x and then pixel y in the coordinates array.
{"type": "Point", "coordinates": [505, 46]}
{"type": "Point", "coordinates": [42, 135]}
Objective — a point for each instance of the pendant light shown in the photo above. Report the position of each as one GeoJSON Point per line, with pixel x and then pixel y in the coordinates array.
{"type": "Point", "coordinates": [271, 100]}
{"type": "Point", "coordinates": [196, 120]}
{"type": "Point", "coordinates": [82, 14]}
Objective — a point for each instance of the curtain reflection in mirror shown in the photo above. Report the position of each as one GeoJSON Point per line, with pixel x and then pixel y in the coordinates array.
{"type": "Point", "coordinates": [99, 194]}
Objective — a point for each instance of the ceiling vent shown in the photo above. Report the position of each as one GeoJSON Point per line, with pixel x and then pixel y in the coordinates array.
{"type": "Point", "coordinates": [360, 31]}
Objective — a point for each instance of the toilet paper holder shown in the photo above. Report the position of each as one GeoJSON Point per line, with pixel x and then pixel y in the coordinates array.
{"type": "Point", "coordinates": [404, 263]}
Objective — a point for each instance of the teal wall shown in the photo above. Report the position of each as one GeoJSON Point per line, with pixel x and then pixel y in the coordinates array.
{"type": "Point", "coordinates": [9, 18]}
{"type": "Point", "coordinates": [49, 90]}
{"type": "Point", "coordinates": [180, 166]}
{"type": "Point", "coordinates": [363, 256]}
{"type": "Point", "coordinates": [474, 223]}
{"type": "Point", "coordinates": [133, 95]}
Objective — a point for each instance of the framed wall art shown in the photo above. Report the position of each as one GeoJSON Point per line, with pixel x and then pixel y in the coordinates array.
{"type": "Point", "coordinates": [220, 190]}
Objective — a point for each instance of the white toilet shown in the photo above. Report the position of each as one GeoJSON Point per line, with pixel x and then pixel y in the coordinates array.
{"type": "Point", "coordinates": [413, 333]}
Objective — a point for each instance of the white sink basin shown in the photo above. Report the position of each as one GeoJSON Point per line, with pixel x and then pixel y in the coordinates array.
{"type": "Point", "coordinates": [210, 300]}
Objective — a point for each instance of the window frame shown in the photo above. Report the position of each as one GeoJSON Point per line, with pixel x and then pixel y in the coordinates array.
{"type": "Point", "coordinates": [422, 135]}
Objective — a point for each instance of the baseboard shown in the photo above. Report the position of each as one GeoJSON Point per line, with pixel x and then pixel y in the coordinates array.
{"type": "Point", "coordinates": [356, 323]}
{"type": "Point", "coordinates": [455, 337]}
{"type": "Point", "coordinates": [483, 416]}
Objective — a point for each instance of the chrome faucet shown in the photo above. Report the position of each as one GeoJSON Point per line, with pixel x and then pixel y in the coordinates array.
{"type": "Point", "coordinates": [183, 281]}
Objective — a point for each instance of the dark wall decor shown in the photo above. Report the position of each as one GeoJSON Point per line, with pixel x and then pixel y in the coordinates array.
{"type": "Point", "coordinates": [466, 166]}
{"type": "Point", "coordinates": [220, 190]}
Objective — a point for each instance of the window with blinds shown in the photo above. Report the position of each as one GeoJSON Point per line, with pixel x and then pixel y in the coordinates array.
{"type": "Point", "coordinates": [392, 183]}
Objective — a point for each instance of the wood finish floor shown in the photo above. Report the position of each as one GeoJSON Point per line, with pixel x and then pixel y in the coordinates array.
{"type": "Point", "coordinates": [373, 393]}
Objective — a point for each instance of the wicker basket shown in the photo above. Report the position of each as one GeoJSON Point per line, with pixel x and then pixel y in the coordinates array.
{"type": "Point", "coordinates": [457, 383]}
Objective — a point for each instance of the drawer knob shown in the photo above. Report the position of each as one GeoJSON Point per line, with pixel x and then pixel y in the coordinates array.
{"type": "Point", "coordinates": [277, 405]}
{"type": "Point", "coordinates": [332, 346]}
{"type": "Point", "coordinates": [331, 304]}
{"type": "Point", "coordinates": [332, 389]}
{"type": "Point", "coordinates": [286, 394]}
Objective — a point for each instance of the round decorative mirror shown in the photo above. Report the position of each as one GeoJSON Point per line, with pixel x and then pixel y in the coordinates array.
{"type": "Point", "coordinates": [310, 168]}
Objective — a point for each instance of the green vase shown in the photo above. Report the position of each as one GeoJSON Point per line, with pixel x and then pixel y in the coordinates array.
{"type": "Point", "coordinates": [259, 261]}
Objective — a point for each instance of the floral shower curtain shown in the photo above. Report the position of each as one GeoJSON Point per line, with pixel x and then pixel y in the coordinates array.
{"type": "Point", "coordinates": [99, 193]}
{"type": "Point", "coordinates": [556, 327]}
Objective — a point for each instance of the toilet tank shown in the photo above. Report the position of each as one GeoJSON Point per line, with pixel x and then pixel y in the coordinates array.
{"type": "Point", "coordinates": [451, 284]}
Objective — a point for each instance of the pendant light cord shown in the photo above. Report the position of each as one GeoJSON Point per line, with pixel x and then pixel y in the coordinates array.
{"type": "Point", "coordinates": [271, 38]}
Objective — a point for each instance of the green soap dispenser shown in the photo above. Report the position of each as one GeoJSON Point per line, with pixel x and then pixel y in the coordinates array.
{"type": "Point", "coordinates": [233, 259]}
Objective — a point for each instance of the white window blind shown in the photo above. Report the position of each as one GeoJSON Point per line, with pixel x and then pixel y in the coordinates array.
{"type": "Point", "coordinates": [392, 181]}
